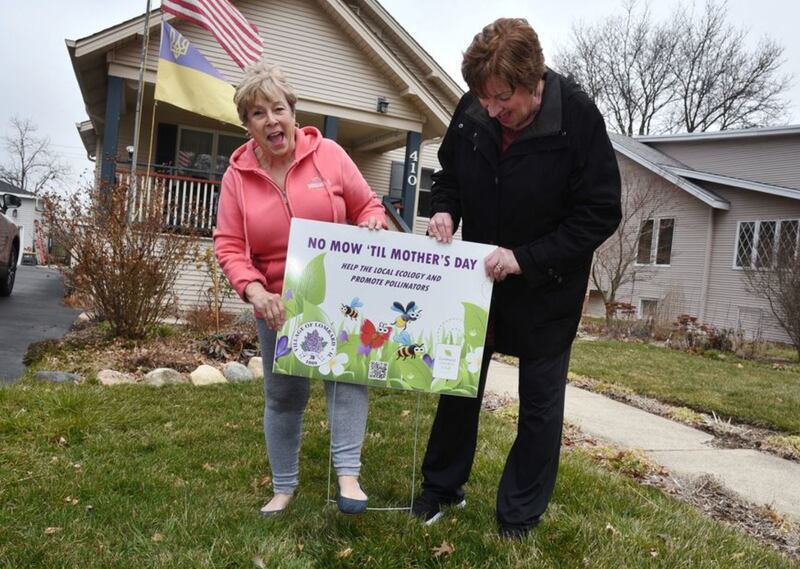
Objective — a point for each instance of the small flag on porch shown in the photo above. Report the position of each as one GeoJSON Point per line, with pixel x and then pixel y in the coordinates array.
{"type": "Point", "coordinates": [234, 33]}
{"type": "Point", "coordinates": [187, 80]}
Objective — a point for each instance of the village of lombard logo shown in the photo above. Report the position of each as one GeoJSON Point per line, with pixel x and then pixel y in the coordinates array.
{"type": "Point", "coordinates": [314, 343]}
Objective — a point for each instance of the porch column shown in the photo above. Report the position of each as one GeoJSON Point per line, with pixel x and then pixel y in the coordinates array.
{"type": "Point", "coordinates": [108, 165]}
{"type": "Point", "coordinates": [331, 127]}
{"type": "Point", "coordinates": [411, 176]}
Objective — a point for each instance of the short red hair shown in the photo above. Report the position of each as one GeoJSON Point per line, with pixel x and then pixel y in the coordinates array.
{"type": "Point", "coordinates": [507, 48]}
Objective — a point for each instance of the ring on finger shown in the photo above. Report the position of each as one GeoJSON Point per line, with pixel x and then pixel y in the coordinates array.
{"type": "Point", "coordinates": [498, 267]}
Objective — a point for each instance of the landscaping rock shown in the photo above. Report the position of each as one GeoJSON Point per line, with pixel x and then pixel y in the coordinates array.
{"type": "Point", "coordinates": [57, 376]}
{"type": "Point", "coordinates": [207, 375]}
{"type": "Point", "coordinates": [234, 371]}
{"type": "Point", "coordinates": [111, 377]}
{"type": "Point", "coordinates": [256, 368]}
{"type": "Point", "coordinates": [164, 376]}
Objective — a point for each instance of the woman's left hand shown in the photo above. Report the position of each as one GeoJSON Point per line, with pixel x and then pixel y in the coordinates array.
{"type": "Point", "coordinates": [500, 263]}
{"type": "Point", "coordinates": [373, 222]}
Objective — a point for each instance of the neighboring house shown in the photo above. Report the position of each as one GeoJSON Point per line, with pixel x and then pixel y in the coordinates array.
{"type": "Point", "coordinates": [25, 215]}
{"type": "Point", "coordinates": [360, 78]}
{"type": "Point", "coordinates": [733, 197]}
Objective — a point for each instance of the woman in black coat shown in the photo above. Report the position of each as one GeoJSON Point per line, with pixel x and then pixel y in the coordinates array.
{"type": "Point", "coordinates": [526, 165]}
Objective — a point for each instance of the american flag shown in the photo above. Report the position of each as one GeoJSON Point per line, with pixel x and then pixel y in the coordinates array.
{"type": "Point", "coordinates": [185, 158]}
{"type": "Point", "coordinates": [234, 33]}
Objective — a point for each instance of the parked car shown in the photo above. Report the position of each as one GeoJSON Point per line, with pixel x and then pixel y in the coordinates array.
{"type": "Point", "coordinates": [9, 244]}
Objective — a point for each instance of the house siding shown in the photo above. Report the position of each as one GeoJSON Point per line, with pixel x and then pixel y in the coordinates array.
{"type": "Point", "coordinates": [322, 63]}
{"type": "Point", "coordinates": [193, 282]}
{"type": "Point", "coordinates": [727, 294]}
{"type": "Point", "coordinates": [769, 160]}
{"type": "Point", "coordinates": [26, 214]}
{"type": "Point", "coordinates": [677, 287]}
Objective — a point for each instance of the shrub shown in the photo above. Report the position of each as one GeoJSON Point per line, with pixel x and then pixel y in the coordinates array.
{"type": "Point", "coordinates": [692, 335]}
{"type": "Point", "coordinates": [124, 257]}
{"type": "Point", "coordinates": [209, 315]}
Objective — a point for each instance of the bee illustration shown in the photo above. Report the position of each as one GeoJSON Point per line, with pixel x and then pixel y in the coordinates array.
{"type": "Point", "coordinates": [349, 310]}
{"type": "Point", "coordinates": [409, 313]}
{"type": "Point", "coordinates": [407, 350]}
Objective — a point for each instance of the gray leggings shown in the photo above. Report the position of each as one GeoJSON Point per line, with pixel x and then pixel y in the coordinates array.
{"type": "Point", "coordinates": [286, 397]}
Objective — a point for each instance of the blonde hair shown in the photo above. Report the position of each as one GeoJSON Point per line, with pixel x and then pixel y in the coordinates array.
{"type": "Point", "coordinates": [508, 48]}
{"type": "Point", "coordinates": [266, 80]}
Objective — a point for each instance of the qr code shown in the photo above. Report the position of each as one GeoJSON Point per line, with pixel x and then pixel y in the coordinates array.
{"type": "Point", "coordinates": [378, 370]}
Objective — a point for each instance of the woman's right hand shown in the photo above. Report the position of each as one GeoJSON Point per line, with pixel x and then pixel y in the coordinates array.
{"type": "Point", "coordinates": [440, 227]}
{"type": "Point", "coordinates": [267, 303]}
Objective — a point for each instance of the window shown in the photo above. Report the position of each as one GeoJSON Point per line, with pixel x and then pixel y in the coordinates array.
{"type": "Point", "coordinates": [763, 244]}
{"type": "Point", "coordinates": [205, 154]}
{"type": "Point", "coordinates": [645, 242]}
{"type": "Point", "coordinates": [396, 181]}
{"type": "Point", "coordinates": [648, 308]}
{"type": "Point", "coordinates": [655, 242]}
{"type": "Point", "coordinates": [424, 197]}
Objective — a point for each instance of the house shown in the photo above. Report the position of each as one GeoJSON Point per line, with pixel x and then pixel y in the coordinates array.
{"type": "Point", "coordinates": [731, 200]}
{"type": "Point", "coordinates": [360, 78]}
{"type": "Point", "coordinates": [26, 216]}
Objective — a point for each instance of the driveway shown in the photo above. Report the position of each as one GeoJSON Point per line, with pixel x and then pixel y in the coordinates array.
{"type": "Point", "coordinates": [33, 312]}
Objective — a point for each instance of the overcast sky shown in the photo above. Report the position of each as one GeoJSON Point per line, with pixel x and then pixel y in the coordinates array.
{"type": "Point", "coordinates": [38, 81]}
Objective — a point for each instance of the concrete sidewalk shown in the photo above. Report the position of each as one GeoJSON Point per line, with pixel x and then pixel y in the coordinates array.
{"type": "Point", "coordinates": [757, 477]}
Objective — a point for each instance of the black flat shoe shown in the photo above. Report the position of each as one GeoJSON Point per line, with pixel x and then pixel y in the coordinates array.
{"type": "Point", "coordinates": [270, 513]}
{"type": "Point", "coordinates": [351, 506]}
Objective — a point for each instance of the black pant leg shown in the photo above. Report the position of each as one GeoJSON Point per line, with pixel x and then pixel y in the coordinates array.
{"type": "Point", "coordinates": [530, 473]}
{"type": "Point", "coordinates": [451, 445]}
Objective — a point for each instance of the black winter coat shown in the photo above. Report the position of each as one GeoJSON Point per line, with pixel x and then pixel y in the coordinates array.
{"type": "Point", "coordinates": [552, 198]}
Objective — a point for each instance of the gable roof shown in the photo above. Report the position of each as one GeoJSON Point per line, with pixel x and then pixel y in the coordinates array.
{"type": "Point", "coordinates": [754, 132]}
{"type": "Point", "coordinates": [645, 150]}
{"type": "Point", "coordinates": [661, 164]}
{"type": "Point", "coordinates": [736, 182]}
{"type": "Point", "coordinates": [419, 80]}
{"type": "Point", "coordinates": [6, 188]}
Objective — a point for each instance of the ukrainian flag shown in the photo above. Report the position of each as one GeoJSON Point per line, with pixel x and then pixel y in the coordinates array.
{"type": "Point", "coordinates": [187, 80]}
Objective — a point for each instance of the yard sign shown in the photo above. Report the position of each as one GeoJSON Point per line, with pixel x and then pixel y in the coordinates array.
{"type": "Point", "coordinates": [383, 308]}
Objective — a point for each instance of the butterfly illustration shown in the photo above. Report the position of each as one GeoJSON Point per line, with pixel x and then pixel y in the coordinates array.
{"type": "Point", "coordinates": [409, 313]}
{"type": "Point", "coordinates": [372, 337]}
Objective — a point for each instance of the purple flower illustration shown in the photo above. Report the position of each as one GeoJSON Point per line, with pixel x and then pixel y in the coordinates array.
{"type": "Point", "coordinates": [428, 360]}
{"type": "Point", "coordinates": [344, 336]}
{"type": "Point", "coordinates": [364, 350]}
{"type": "Point", "coordinates": [289, 295]}
{"type": "Point", "coordinates": [282, 348]}
{"type": "Point", "coordinates": [313, 343]}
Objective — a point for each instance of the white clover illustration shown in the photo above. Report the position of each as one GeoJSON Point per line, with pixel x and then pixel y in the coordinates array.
{"type": "Point", "coordinates": [474, 359]}
{"type": "Point", "coordinates": [335, 364]}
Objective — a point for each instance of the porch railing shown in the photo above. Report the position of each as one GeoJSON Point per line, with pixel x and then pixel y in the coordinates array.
{"type": "Point", "coordinates": [188, 202]}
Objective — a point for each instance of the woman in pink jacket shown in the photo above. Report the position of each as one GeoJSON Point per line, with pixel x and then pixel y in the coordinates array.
{"type": "Point", "coordinates": [285, 171]}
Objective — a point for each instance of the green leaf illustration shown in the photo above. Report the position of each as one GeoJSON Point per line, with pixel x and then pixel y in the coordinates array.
{"type": "Point", "coordinates": [311, 284]}
{"type": "Point", "coordinates": [475, 319]}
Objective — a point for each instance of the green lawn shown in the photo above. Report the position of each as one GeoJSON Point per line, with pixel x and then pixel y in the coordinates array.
{"type": "Point", "coordinates": [751, 392]}
{"type": "Point", "coordinates": [143, 477]}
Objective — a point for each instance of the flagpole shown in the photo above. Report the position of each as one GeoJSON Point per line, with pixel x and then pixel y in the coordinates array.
{"type": "Point", "coordinates": [138, 117]}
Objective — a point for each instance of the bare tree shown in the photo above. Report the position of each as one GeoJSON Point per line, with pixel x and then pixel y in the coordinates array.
{"type": "Point", "coordinates": [682, 74]}
{"type": "Point", "coordinates": [624, 63]}
{"type": "Point", "coordinates": [30, 166]}
{"type": "Point", "coordinates": [615, 262]}
{"type": "Point", "coordinates": [775, 277]}
{"type": "Point", "coordinates": [718, 83]}
{"type": "Point", "coordinates": [124, 264]}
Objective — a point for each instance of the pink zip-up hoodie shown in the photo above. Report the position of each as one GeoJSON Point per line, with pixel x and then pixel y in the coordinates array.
{"type": "Point", "coordinates": [252, 233]}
